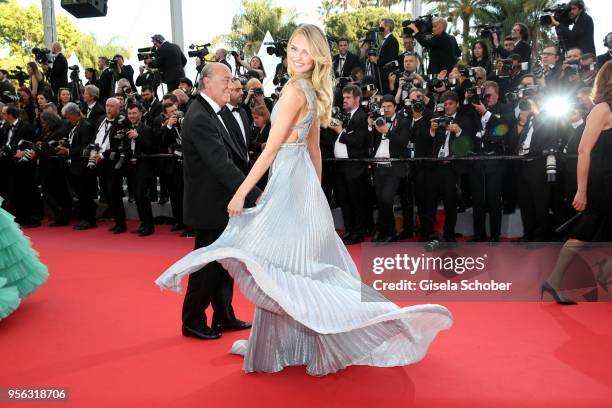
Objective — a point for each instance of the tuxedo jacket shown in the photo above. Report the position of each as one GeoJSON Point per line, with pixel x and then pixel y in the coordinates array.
{"type": "Point", "coordinates": [389, 50]}
{"type": "Point", "coordinates": [58, 73]}
{"type": "Point", "coordinates": [581, 35]}
{"type": "Point", "coordinates": [443, 51]}
{"type": "Point", "coordinates": [420, 136]}
{"type": "Point", "coordinates": [152, 111]}
{"type": "Point", "coordinates": [356, 138]}
{"type": "Point", "coordinates": [84, 134]}
{"type": "Point", "coordinates": [399, 137]}
{"type": "Point", "coordinates": [170, 61]}
{"type": "Point", "coordinates": [351, 61]}
{"type": "Point", "coordinates": [213, 168]}
{"type": "Point", "coordinates": [461, 145]}
{"type": "Point", "coordinates": [96, 114]}
{"type": "Point", "coordinates": [230, 120]}
{"type": "Point", "coordinates": [105, 83]}
{"type": "Point", "coordinates": [522, 48]}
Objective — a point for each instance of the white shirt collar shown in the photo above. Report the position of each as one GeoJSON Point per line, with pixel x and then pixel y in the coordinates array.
{"type": "Point", "coordinates": [212, 103]}
{"type": "Point", "coordinates": [91, 105]}
{"type": "Point", "coordinates": [575, 125]}
{"type": "Point", "coordinates": [386, 36]}
{"type": "Point", "coordinates": [353, 111]}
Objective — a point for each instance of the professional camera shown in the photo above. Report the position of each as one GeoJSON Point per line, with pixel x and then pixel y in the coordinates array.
{"type": "Point", "coordinates": [146, 53]}
{"type": "Point", "coordinates": [277, 48]}
{"type": "Point", "coordinates": [539, 71]}
{"type": "Point", "coordinates": [236, 54]}
{"type": "Point", "coordinates": [122, 149]}
{"type": "Point", "coordinates": [42, 55]}
{"type": "Point", "coordinates": [443, 121]}
{"type": "Point", "coordinates": [551, 165]}
{"type": "Point", "coordinates": [281, 80]}
{"type": "Point", "coordinates": [74, 72]}
{"type": "Point", "coordinates": [474, 95]}
{"type": "Point", "coordinates": [572, 67]}
{"type": "Point", "coordinates": [416, 105]}
{"type": "Point", "coordinates": [18, 74]}
{"type": "Point", "coordinates": [439, 83]}
{"type": "Point", "coordinates": [180, 115]}
{"type": "Point", "coordinates": [198, 50]}
{"type": "Point", "coordinates": [506, 69]}
{"type": "Point", "coordinates": [485, 31]}
{"type": "Point", "coordinates": [27, 147]}
{"type": "Point", "coordinates": [423, 23]}
{"type": "Point", "coordinates": [341, 116]}
{"type": "Point", "coordinates": [371, 35]}
{"type": "Point", "coordinates": [522, 92]}
{"type": "Point", "coordinates": [91, 151]}
{"type": "Point", "coordinates": [560, 12]}
{"type": "Point", "coordinates": [6, 151]}
{"type": "Point", "coordinates": [9, 97]}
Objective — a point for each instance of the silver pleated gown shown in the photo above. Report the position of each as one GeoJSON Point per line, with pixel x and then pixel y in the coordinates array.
{"type": "Point", "coordinates": [310, 308]}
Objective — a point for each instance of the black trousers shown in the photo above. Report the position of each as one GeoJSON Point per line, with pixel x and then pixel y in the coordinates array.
{"type": "Point", "coordinates": [143, 172]}
{"type": "Point", "coordinates": [386, 184]}
{"type": "Point", "coordinates": [444, 186]}
{"type": "Point", "coordinates": [85, 189]}
{"type": "Point", "coordinates": [175, 190]}
{"type": "Point", "coordinates": [24, 196]}
{"type": "Point", "coordinates": [210, 285]}
{"type": "Point", "coordinates": [534, 195]}
{"type": "Point", "coordinates": [350, 188]}
{"type": "Point", "coordinates": [423, 184]}
{"type": "Point", "coordinates": [486, 185]}
{"type": "Point", "coordinates": [406, 192]}
{"type": "Point", "coordinates": [114, 190]}
{"type": "Point", "coordinates": [56, 191]}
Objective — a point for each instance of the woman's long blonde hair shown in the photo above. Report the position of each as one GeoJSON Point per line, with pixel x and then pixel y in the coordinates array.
{"type": "Point", "coordinates": [321, 74]}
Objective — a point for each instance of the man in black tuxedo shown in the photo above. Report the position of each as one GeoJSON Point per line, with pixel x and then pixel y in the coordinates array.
{"type": "Point", "coordinates": [58, 71]}
{"type": "Point", "coordinates": [124, 71]}
{"type": "Point", "coordinates": [106, 81]}
{"type": "Point", "coordinates": [143, 141]}
{"type": "Point", "coordinates": [170, 61]}
{"type": "Point", "coordinates": [221, 57]}
{"type": "Point", "coordinates": [23, 195]}
{"type": "Point", "coordinates": [92, 109]}
{"type": "Point", "coordinates": [372, 70]}
{"type": "Point", "coordinates": [454, 139]}
{"type": "Point", "coordinates": [582, 33]}
{"type": "Point", "coordinates": [391, 135]}
{"type": "Point", "coordinates": [152, 107]}
{"type": "Point", "coordinates": [147, 77]}
{"type": "Point", "coordinates": [352, 178]}
{"type": "Point", "coordinates": [520, 35]}
{"type": "Point", "coordinates": [388, 50]}
{"type": "Point", "coordinates": [214, 168]}
{"type": "Point", "coordinates": [486, 177]}
{"type": "Point", "coordinates": [7, 90]}
{"type": "Point", "coordinates": [235, 116]}
{"type": "Point", "coordinates": [345, 61]}
{"type": "Point", "coordinates": [83, 177]}
{"type": "Point", "coordinates": [443, 50]}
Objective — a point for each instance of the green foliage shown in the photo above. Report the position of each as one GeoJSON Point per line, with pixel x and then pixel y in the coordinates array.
{"type": "Point", "coordinates": [21, 29]}
{"type": "Point", "coordinates": [256, 17]}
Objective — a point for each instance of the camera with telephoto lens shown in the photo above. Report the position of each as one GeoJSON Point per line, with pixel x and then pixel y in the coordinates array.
{"type": "Point", "coordinates": [561, 12]}
{"type": "Point", "coordinates": [343, 118]}
{"type": "Point", "coordinates": [198, 50]}
{"type": "Point", "coordinates": [18, 74]}
{"type": "Point", "coordinates": [507, 66]}
{"type": "Point", "coordinates": [122, 149]}
{"type": "Point", "coordinates": [74, 73]}
{"type": "Point", "coordinates": [258, 91]}
{"type": "Point", "coordinates": [146, 53]}
{"type": "Point", "coordinates": [91, 151]}
{"type": "Point", "coordinates": [571, 68]}
{"type": "Point", "coordinates": [423, 23]}
{"type": "Point", "coordinates": [41, 55]}
{"type": "Point", "coordinates": [277, 48]}
{"type": "Point", "coordinates": [375, 110]}
{"type": "Point", "coordinates": [180, 115]}
{"type": "Point", "coordinates": [416, 105]}
{"type": "Point", "coordinates": [486, 31]}
{"type": "Point", "coordinates": [439, 83]}
{"type": "Point", "coordinates": [27, 148]}
{"type": "Point", "coordinates": [475, 96]}
{"type": "Point", "coordinates": [443, 121]}
{"type": "Point", "coordinates": [551, 165]}
{"type": "Point", "coordinates": [522, 92]}
{"type": "Point", "coordinates": [371, 35]}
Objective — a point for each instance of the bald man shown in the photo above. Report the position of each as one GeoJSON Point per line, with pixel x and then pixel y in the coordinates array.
{"type": "Point", "coordinates": [58, 70]}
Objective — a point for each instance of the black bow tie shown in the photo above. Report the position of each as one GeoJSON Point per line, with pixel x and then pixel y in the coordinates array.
{"type": "Point", "coordinates": [220, 111]}
{"type": "Point", "coordinates": [236, 109]}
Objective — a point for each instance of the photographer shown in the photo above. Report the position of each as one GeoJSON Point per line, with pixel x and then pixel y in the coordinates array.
{"type": "Point", "coordinates": [186, 86]}
{"type": "Point", "coordinates": [142, 141]}
{"type": "Point", "coordinates": [148, 77]}
{"type": "Point", "coordinates": [170, 61]}
{"type": "Point", "coordinates": [480, 56]}
{"type": "Point", "coordinates": [409, 48]}
{"type": "Point", "coordinates": [581, 35]}
{"type": "Point", "coordinates": [372, 70]}
{"type": "Point", "coordinates": [352, 178]}
{"type": "Point", "coordinates": [550, 74]}
{"type": "Point", "coordinates": [92, 109]}
{"type": "Point", "coordinates": [7, 90]}
{"type": "Point", "coordinates": [588, 69]}
{"type": "Point", "coordinates": [409, 65]}
{"type": "Point", "coordinates": [389, 49]}
{"type": "Point", "coordinates": [172, 143]}
{"type": "Point", "coordinates": [453, 134]}
{"type": "Point", "coordinates": [255, 96]}
{"type": "Point", "coordinates": [443, 49]}
{"type": "Point", "coordinates": [255, 68]}
{"type": "Point", "coordinates": [109, 139]}
{"type": "Point", "coordinates": [568, 173]}
{"type": "Point", "coordinates": [106, 80]}
{"type": "Point", "coordinates": [53, 170]}
{"type": "Point", "coordinates": [58, 71]}
{"type": "Point", "coordinates": [183, 100]}
{"type": "Point", "coordinates": [221, 56]}
{"type": "Point", "coordinates": [152, 107]}
{"type": "Point", "coordinates": [124, 71]}
{"type": "Point", "coordinates": [520, 35]}
{"type": "Point", "coordinates": [20, 164]}
{"type": "Point", "coordinates": [603, 58]}
{"type": "Point", "coordinates": [486, 177]}
{"type": "Point", "coordinates": [391, 135]}
{"type": "Point", "coordinates": [82, 177]}
{"type": "Point", "coordinates": [423, 147]}
{"type": "Point", "coordinates": [345, 61]}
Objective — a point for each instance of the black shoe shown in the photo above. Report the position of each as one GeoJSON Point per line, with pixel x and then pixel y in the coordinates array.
{"type": "Point", "coordinates": [178, 227]}
{"type": "Point", "coordinates": [146, 231]}
{"type": "Point", "coordinates": [232, 325]}
{"type": "Point", "coordinates": [345, 236]}
{"type": "Point", "coordinates": [556, 295]}
{"type": "Point", "coordinates": [388, 239]}
{"type": "Point", "coordinates": [204, 334]}
{"type": "Point", "coordinates": [353, 239]}
{"type": "Point", "coordinates": [57, 223]}
{"type": "Point", "coordinates": [188, 234]}
{"type": "Point", "coordinates": [84, 225]}
{"type": "Point", "coordinates": [138, 231]}
{"type": "Point", "coordinates": [163, 200]}
{"type": "Point", "coordinates": [131, 199]}
{"type": "Point", "coordinates": [405, 234]}
{"type": "Point", "coordinates": [120, 229]}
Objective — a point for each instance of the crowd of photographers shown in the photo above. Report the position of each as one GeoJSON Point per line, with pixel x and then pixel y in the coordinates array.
{"type": "Point", "coordinates": [410, 121]}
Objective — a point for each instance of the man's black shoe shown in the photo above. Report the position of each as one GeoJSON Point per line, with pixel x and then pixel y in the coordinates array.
{"type": "Point", "coordinates": [146, 231]}
{"type": "Point", "coordinates": [57, 223]}
{"type": "Point", "coordinates": [232, 325]}
{"type": "Point", "coordinates": [120, 229]}
{"type": "Point", "coordinates": [204, 334]}
{"type": "Point", "coordinates": [138, 231]}
{"type": "Point", "coordinates": [406, 234]}
{"type": "Point", "coordinates": [178, 227]}
{"type": "Point", "coordinates": [345, 236]}
{"type": "Point", "coordinates": [84, 225]}
{"type": "Point", "coordinates": [353, 239]}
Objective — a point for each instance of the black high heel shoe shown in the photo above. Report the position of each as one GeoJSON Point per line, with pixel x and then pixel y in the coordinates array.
{"type": "Point", "coordinates": [556, 295]}
{"type": "Point", "coordinates": [601, 279]}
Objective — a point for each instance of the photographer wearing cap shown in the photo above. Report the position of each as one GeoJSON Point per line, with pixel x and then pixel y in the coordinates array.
{"type": "Point", "coordinates": [170, 61]}
{"type": "Point", "coordinates": [581, 35]}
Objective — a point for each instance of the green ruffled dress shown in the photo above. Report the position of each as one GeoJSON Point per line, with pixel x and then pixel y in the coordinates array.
{"type": "Point", "coordinates": [21, 273]}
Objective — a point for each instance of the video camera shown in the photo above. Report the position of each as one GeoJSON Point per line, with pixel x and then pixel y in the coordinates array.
{"type": "Point", "coordinates": [18, 74]}
{"type": "Point", "coordinates": [371, 35]}
{"type": "Point", "coordinates": [423, 23]}
{"type": "Point", "coordinates": [42, 55]}
{"type": "Point", "coordinates": [146, 53]}
{"type": "Point", "coordinates": [198, 50]}
{"type": "Point", "coordinates": [74, 72]}
{"type": "Point", "coordinates": [560, 12]}
{"type": "Point", "coordinates": [485, 31]}
{"type": "Point", "coordinates": [277, 48]}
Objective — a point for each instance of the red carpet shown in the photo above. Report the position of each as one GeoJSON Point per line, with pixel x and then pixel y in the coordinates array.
{"type": "Point", "coordinates": [101, 328]}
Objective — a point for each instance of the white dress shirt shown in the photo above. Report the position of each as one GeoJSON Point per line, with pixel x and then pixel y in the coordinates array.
{"type": "Point", "coordinates": [215, 107]}
{"type": "Point", "coordinates": [239, 120]}
{"type": "Point", "coordinates": [340, 150]}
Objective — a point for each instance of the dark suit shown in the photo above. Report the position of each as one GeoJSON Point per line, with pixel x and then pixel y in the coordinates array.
{"type": "Point", "coordinates": [143, 169]}
{"type": "Point", "coordinates": [214, 168]}
{"type": "Point", "coordinates": [521, 48]}
{"type": "Point", "coordinates": [170, 61]}
{"type": "Point", "coordinates": [94, 114]}
{"type": "Point", "coordinates": [127, 72]}
{"type": "Point", "coordinates": [54, 174]}
{"type": "Point", "coordinates": [58, 73]}
{"type": "Point", "coordinates": [106, 85]}
{"type": "Point", "coordinates": [442, 51]}
{"type": "Point", "coordinates": [388, 52]}
{"type": "Point", "coordinates": [351, 61]}
{"type": "Point", "coordinates": [83, 179]}
{"type": "Point", "coordinates": [352, 177]}
{"type": "Point", "coordinates": [6, 86]}
{"type": "Point", "coordinates": [580, 36]}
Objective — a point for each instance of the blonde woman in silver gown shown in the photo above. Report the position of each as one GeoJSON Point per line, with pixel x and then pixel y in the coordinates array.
{"type": "Point", "coordinates": [287, 258]}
